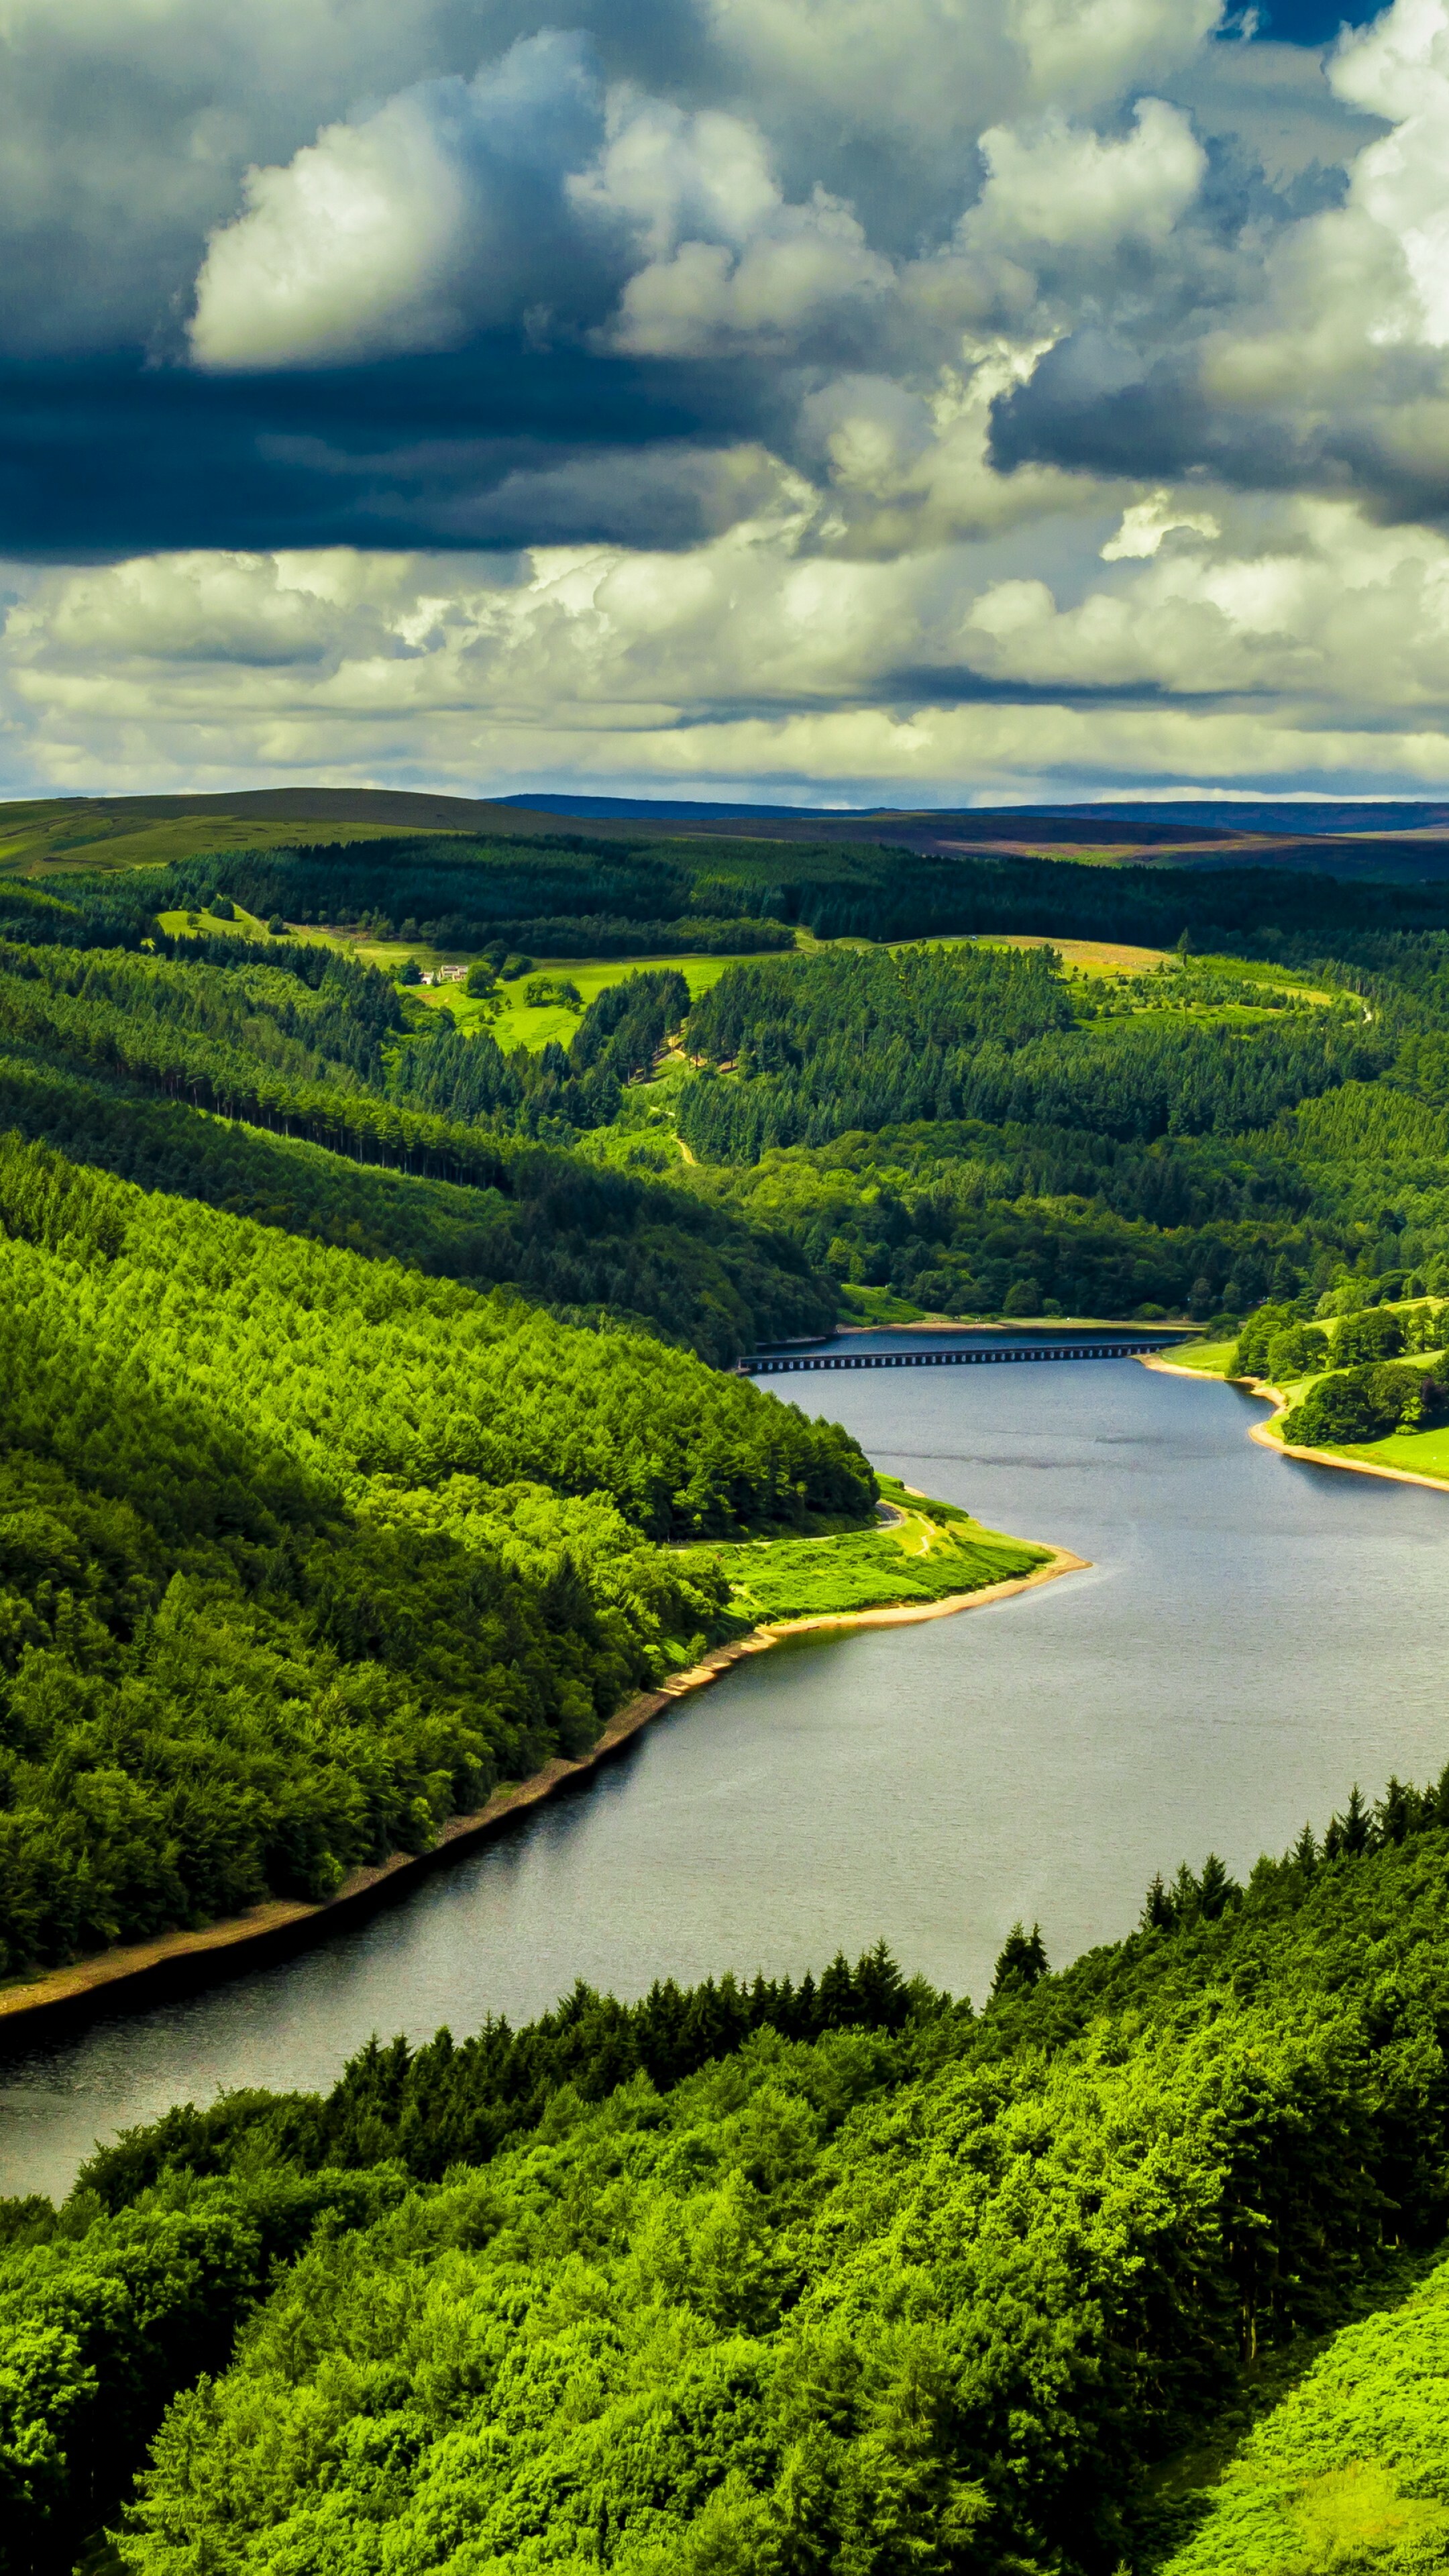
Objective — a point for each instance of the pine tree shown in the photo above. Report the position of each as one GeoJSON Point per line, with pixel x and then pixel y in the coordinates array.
{"type": "Point", "coordinates": [1159, 1910]}
{"type": "Point", "coordinates": [880, 1989]}
{"type": "Point", "coordinates": [1217, 1890]}
{"type": "Point", "coordinates": [1357, 1824]}
{"type": "Point", "coordinates": [1396, 1814]}
{"type": "Point", "coordinates": [836, 2006]}
{"type": "Point", "coordinates": [1187, 1895]}
{"type": "Point", "coordinates": [1022, 1964]}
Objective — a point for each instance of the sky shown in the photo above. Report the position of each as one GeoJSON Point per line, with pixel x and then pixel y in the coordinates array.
{"type": "Point", "coordinates": [834, 401]}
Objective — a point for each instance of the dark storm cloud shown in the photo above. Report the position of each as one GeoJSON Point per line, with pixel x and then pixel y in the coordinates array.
{"type": "Point", "coordinates": [1098, 406]}
{"type": "Point", "coordinates": [104, 458]}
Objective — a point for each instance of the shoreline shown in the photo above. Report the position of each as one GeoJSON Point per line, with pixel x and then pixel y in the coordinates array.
{"type": "Point", "coordinates": [1017, 1325]}
{"type": "Point", "coordinates": [139, 1973]}
{"type": "Point", "coordinates": [1262, 1432]}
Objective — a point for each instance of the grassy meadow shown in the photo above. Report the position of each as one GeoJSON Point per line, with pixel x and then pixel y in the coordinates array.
{"type": "Point", "coordinates": [926, 1552]}
{"type": "Point", "coordinates": [1419, 1453]}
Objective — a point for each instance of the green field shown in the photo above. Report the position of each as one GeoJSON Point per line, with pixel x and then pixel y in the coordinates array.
{"type": "Point", "coordinates": [1424, 1453]}
{"type": "Point", "coordinates": [930, 1552]}
{"type": "Point", "coordinates": [1209, 1358]}
{"type": "Point", "coordinates": [515, 1024]}
{"type": "Point", "coordinates": [247, 925]}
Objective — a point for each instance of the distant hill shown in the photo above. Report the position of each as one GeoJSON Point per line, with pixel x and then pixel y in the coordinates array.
{"type": "Point", "coordinates": [146, 831]}
{"type": "Point", "coordinates": [1407, 843]}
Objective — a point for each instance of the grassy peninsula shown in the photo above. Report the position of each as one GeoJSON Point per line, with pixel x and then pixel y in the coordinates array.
{"type": "Point", "coordinates": [1366, 1380]}
{"type": "Point", "coordinates": [927, 1551]}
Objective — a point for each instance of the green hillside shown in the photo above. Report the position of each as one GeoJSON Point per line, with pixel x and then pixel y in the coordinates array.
{"type": "Point", "coordinates": [763, 2277]}
{"type": "Point", "coordinates": [1351, 2470]}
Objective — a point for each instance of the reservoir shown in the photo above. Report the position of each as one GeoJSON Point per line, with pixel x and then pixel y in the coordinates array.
{"type": "Point", "coordinates": [1252, 1637]}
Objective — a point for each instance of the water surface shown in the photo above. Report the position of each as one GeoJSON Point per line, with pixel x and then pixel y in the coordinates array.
{"type": "Point", "coordinates": [1252, 1637]}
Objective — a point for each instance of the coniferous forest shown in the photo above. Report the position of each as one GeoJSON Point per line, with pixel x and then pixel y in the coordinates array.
{"type": "Point", "coordinates": [842, 2275]}
{"type": "Point", "coordinates": [369, 1433]}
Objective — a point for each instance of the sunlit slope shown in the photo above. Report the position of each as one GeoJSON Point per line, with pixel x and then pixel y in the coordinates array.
{"type": "Point", "coordinates": [1351, 2471]}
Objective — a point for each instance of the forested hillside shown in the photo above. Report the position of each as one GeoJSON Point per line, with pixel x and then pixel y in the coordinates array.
{"type": "Point", "coordinates": [971, 1131]}
{"type": "Point", "coordinates": [300, 1552]}
{"type": "Point", "coordinates": [347, 1416]}
{"type": "Point", "coordinates": [843, 2275]}
{"type": "Point", "coordinates": [360, 1451]}
{"type": "Point", "coordinates": [1194, 1137]}
{"type": "Point", "coordinates": [111, 1053]}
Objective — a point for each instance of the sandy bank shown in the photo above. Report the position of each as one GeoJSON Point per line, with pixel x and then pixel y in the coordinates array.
{"type": "Point", "coordinates": [1262, 1432]}
{"type": "Point", "coordinates": [145, 1972]}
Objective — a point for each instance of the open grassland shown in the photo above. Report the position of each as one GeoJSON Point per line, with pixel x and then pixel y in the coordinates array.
{"type": "Point", "coordinates": [1210, 1359]}
{"type": "Point", "coordinates": [1095, 956]}
{"type": "Point", "coordinates": [1422, 1453]}
{"type": "Point", "coordinates": [514, 1023]}
{"type": "Point", "coordinates": [53, 844]}
{"type": "Point", "coordinates": [928, 1552]}
{"type": "Point", "coordinates": [244, 925]}
{"type": "Point", "coordinates": [517, 1025]}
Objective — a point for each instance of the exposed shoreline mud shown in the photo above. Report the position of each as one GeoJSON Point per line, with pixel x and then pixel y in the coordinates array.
{"type": "Point", "coordinates": [141, 1973]}
{"type": "Point", "coordinates": [1262, 1432]}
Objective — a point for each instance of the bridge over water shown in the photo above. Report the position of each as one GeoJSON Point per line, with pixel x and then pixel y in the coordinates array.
{"type": "Point", "coordinates": [966, 1355]}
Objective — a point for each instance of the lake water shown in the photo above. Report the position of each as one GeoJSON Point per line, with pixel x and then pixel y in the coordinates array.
{"type": "Point", "coordinates": [1253, 1636]}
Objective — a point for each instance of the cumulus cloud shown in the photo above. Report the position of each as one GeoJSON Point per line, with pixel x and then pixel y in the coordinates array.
{"type": "Point", "coordinates": [1058, 188]}
{"type": "Point", "coordinates": [728, 261]}
{"type": "Point", "coordinates": [525, 193]}
{"type": "Point", "coordinates": [1146, 523]}
{"type": "Point", "coordinates": [701, 389]}
{"type": "Point", "coordinates": [1087, 52]}
{"type": "Point", "coordinates": [1312, 352]}
{"type": "Point", "coordinates": [1281, 642]}
{"type": "Point", "coordinates": [441, 213]}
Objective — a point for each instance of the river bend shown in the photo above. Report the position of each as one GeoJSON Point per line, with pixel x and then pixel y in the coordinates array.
{"type": "Point", "coordinates": [1252, 1637]}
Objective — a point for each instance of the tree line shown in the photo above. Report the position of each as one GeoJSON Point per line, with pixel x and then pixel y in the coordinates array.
{"type": "Point", "coordinates": [888, 2283]}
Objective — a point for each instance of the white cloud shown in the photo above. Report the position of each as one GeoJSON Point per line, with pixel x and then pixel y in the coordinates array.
{"type": "Point", "coordinates": [926, 72]}
{"type": "Point", "coordinates": [1166, 272]}
{"type": "Point", "coordinates": [1085, 53]}
{"type": "Point", "coordinates": [1056, 187]}
{"type": "Point", "coordinates": [1146, 523]}
{"type": "Point", "coordinates": [406, 230]}
{"type": "Point", "coordinates": [1303, 640]}
{"type": "Point", "coordinates": [1323, 612]}
{"type": "Point", "coordinates": [348, 250]}
{"type": "Point", "coordinates": [1353, 291]}
{"type": "Point", "coordinates": [908, 471]}
{"type": "Point", "coordinates": [729, 263]}
{"type": "Point", "coordinates": [669, 175]}
{"type": "Point", "coordinates": [456, 206]}
{"type": "Point", "coordinates": [803, 264]}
